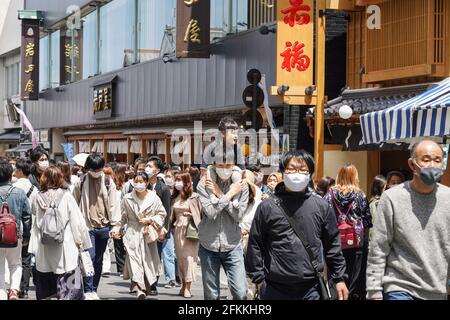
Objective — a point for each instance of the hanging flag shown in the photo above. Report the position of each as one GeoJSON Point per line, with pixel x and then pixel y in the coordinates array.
{"type": "Point", "coordinates": [27, 123]}
{"type": "Point", "coordinates": [262, 84]}
{"type": "Point", "coordinates": [69, 150]}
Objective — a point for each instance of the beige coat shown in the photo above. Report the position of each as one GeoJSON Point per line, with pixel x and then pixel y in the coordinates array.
{"type": "Point", "coordinates": [64, 258]}
{"type": "Point", "coordinates": [111, 201]}
{"type": "Point", "coordinates": [142, 259]}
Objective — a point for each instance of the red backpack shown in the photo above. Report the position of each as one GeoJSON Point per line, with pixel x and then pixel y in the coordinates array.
{"type": "Point", "coordinates": [351, 233]}
{"type": "Point", "coordinates": [8, 224]}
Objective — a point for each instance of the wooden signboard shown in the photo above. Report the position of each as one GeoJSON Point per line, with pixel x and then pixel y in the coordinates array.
{"type": "Point", "coordinates": [30, 60]}
{"type": "Point", "coordinates": [193, 28]}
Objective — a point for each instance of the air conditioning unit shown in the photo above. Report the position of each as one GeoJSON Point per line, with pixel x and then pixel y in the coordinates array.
{"type": "Point", "coordinates": [13, 115]}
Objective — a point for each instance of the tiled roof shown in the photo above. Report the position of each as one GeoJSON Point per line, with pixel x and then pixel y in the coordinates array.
{"type": "Point", "coordinates": [372, 99]}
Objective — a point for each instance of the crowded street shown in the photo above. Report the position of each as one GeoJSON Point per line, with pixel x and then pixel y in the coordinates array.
{"type": "Point", "coordinates": [224, 155]}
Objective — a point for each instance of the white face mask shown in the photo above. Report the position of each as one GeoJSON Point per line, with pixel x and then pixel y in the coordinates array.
{"type": "Point", "coordinates": [224, 173]}
{"type": "Point", "coordinates": [296, 182]}
{"type": "Point", "coordinates": [149, 172]}
{"type": "Point", "coordinates": [43, 165]}
{"type": "Point", "coordinates": [169, 182]}
{"type": "Point", "coordinates": [179, 185]}
{"type": "Point", "coordinates": [140, 187]}
{"type": "Point", "coordinates": [95, 175]}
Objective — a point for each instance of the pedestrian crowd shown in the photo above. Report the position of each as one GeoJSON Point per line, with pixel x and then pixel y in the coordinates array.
{"type": "Point", "coordinates": [283, 236]}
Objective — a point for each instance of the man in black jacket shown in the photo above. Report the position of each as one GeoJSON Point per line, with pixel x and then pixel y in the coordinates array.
{"type": "Point", "coordinates": [276, 259]}
{"type": "Point", "coordinates": [166, 247]}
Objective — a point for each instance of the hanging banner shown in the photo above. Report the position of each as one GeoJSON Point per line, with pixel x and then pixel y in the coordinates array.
{"type": "Point", "coordinates": [30, 60]}
{"type": "Point", "coordinates": [295, 49]}
{"type": "Point", "coordinates": [69, 150]}
{"type": "Point", "coordinates": [193, 28]}
{"type": "Point", "coordinates": [29, 126]}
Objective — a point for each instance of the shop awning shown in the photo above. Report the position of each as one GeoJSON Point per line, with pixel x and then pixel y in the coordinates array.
{"type": "Point", "coordinates": [13, 136]}
{"type": "Point", "coordinates": [20, 148]}
{"type": "Point", "coordinates": [422, 116]}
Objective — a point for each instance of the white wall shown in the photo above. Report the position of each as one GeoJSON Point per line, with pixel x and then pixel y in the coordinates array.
{"type": "Point", "coordinates": [334, 160]}
{"type": "Point", "coordinates": [10, 30]}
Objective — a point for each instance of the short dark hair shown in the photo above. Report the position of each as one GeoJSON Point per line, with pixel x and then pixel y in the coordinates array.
{"type": "Point", "coordinates": [6, 170]}
{"type": "Point", "coordinates": [157, 162]}
{"type": "Point", "coordinates": [36, 154]}
{"type": "Point", "coordinates": [25, 165]}
{"type": "Point", "coordinates": [299, 154]}
{"type": "Point", "coordinates": [227, 123]}
{"type": "Point", "coordinates": [253, 167]}
{"type": "Point", "coordinates": [378, 185]}
{"type": "Point", "coordinates": [141, 174]}
{"type": "Point", "coordinates": [94, 162]}
{"type": "Point", "coordinates": [395, 173]}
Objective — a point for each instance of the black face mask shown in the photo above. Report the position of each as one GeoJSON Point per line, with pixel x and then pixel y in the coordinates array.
{"type": "Point", "coordinates": [431, 176]}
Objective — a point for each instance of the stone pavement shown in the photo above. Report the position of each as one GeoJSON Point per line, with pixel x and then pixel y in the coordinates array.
{"type": "Point", "coordinates": [113, 287]}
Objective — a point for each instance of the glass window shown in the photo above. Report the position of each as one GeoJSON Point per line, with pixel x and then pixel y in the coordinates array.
{"type": "Point", "coordinates": [157, 22]}
{"type": "Point", "coordinates": [54, 59]}
{"type": "Point", "coordinates": [227, 17]}
{"type": "Point", "coordinates": [43, 63]}
{"type": "Point", "coordinates": [90, 45]}
{"type": "Point", "coordinates": [116, 35]}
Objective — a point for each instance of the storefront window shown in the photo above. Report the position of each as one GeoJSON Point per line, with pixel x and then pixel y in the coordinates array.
{"type": "Point", "coordinates": [43, 63]}
{"type": "Point", "coordinates": [54, 59]}
{"type": "Point", "coordinates": [90, 45]}
{"type": "Point", "coordinates": [157, 21]}
{"type": "Point", "coordinates": [116, 35]}
{"type": "Point", "coordinates": [12, 79]}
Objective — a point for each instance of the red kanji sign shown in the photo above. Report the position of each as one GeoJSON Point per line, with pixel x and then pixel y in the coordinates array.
{"type": "Point", "coordinates": [294, 57]}
{"type": "Point", "coordinates": [292, 15]}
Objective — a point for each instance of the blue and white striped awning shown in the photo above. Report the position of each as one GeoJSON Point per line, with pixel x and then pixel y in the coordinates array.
{"type": "Point", "coordinates": [425, 115]}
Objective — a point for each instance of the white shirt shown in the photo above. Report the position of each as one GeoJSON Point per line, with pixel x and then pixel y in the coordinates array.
{"type": "Point", "coordinates": [25, 185]}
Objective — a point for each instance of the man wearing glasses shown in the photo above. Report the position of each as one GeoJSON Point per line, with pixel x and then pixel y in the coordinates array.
{"type": "Point", "coordinates": [410, 251]}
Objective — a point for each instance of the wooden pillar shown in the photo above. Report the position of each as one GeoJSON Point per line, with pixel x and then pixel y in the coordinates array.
{"type": "Point", "coordinates": [143, 148]}
{"type": "Point", "coordinates": [128, 151]}
{"type": "Point", "coordinates": [168, 149]}
{"type": "Point", "coordinates": [105, 150]}
{"type": "Point", "coordinates": [320, 83]}
{"type": "Point", "coordinates": [373, 168]}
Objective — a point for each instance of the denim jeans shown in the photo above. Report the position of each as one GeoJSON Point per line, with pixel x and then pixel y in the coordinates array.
{"type": "Point", "coordinates": [233, 264]}
{"type": "Point", "coordinates": [167, 254]}
{"type": "Point", "coordinates": [398, 295]}
{"type": "Point", "coordinates": [99, 239]}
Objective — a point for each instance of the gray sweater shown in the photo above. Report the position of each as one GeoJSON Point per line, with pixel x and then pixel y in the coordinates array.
{"type": "Point", "coordinates": [410, 248]}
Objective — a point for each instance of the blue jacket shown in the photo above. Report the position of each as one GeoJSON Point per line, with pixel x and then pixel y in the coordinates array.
{"type": "Point", "coordinates": [19, 207]}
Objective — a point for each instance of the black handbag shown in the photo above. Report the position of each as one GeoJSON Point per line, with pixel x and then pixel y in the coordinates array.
{"type": "Point", "coordinates": [323, 287]}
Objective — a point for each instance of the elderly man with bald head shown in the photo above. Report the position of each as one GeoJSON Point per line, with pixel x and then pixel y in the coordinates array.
{"type": "Point", "coordinates": [410, 251]}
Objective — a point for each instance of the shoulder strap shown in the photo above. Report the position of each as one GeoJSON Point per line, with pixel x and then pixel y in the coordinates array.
{"type": "Point", "coordinates": [8, 193]}
{"type": "Point", "coordinates": [300, 235]}
{"type": "Point", "coordinates": [30, 191]}
{"type": "Point", "coordinates": [82, 180]}
{"type": "Point", "coordinates": [336, 205]}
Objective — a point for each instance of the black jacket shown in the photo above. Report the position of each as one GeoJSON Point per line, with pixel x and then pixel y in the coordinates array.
{"type": "Point", "coordinates": [275, 253]}
{"type": "Point", "coordinates": [163, 193]}
{"type": "Point", "coordinates": [34, 178]}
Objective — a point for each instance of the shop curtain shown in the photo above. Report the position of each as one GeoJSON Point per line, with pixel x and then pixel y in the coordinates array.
{"type": "Point", "coordinates": [83, 146]}
{"type": "Point", "coordinates": [135, 146]}
{"type": "Point", "coordinates": [117, 147]}
{"type": "Point", "coordinates": [98, 147]}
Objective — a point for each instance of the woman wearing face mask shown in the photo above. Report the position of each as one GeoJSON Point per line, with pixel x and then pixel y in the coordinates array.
{"type": "Point", "coordinates": [169, 176]}
{"type": "Point", "coordinates": [351, 207]}
{"type": "Point", "coordinates": [141, 209]}
{"type": "Point", "coordinates": [186, 209]}
{"type": "Point", "coordinates": [272, 181]}
{"type": "Point", "coordinates": [39, 157]}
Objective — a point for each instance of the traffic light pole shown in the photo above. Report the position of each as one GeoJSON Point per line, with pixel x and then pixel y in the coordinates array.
{"type": "Point", "coordinates": [254, 102]}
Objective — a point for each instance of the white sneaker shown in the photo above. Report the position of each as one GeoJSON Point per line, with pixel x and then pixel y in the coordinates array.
{"type": "Point", "coordinates": [89, 296]}
{"type": "Point", "coordinates": [141, 295]}
{"type": "Point", "coordinates": [96, 297]}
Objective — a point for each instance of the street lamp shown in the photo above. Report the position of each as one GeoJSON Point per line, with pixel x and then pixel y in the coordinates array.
{"type": "Point", "coordinates": [345, 112]}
